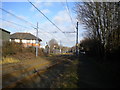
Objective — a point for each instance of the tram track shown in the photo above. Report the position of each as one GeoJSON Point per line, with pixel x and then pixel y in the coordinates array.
{"type": "Point", "coordinates": [24, 77]}
{"type": "Point", "coordinates": [28, 77]}
{"type": "Point", "coordinates": [22, 71]}
{"type": "Point", "coordinates": [6, 67]}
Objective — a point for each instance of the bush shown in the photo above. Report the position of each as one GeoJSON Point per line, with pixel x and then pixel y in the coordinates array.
{"type": "Point", "coordinates": [114, 54]}
{"type": "Point", "coordinates": [92, 47]}
{"type": "Point", "coordinates": [11, 48]}
{"type": "Point", "coordinates": [19, 51]}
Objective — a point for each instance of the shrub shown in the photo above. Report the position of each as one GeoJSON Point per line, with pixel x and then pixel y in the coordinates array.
{"type": "Point", "coordinates": [18, 50]}
{"type": "Point", "coordinates": [11, 48]}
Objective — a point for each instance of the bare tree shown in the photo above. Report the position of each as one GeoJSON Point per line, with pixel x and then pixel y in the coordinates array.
{"type": "Point", "coordinates": [53, 44]}
{"type": "Point", "coordinates": [102, 22]}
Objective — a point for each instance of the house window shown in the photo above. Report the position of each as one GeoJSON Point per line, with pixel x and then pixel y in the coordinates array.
{"type": "Point", "coordinates": [24, 41]}
{"type": "Point", "coordinates": [34, 41]}
{"type": "Point", "coordinates": [28, 41]}
{"type": "Point", "coordinates": [17, 40]}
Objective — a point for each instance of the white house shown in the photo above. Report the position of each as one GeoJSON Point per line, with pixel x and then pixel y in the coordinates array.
{"type": "Point", "coordinates": [27, 39]}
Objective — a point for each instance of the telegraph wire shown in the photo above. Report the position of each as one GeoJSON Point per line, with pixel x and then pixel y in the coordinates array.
{"type": "Point", "coordinates": [26, 27]}
{"type": "Point", "coordinates": [18, 17]}
{"type": "Point", "coordinates": [15, 23]}
{"type": "Point", "coordinates": [28, 21]}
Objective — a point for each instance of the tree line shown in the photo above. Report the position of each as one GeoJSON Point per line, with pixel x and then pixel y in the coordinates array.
{"type": "Point", "coordinates": [55, 48]}
{"type": "Point", "coordinates": [102, 22]}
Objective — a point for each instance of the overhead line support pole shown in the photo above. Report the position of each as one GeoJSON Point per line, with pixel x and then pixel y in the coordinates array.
{"type": "Point", "coordinates": [77, 39]}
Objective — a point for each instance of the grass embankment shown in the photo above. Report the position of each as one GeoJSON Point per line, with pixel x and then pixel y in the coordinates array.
{"type": "Point", "coordinates": [13, 52]}
{"type": "Point", "coordinates": [69, 78]}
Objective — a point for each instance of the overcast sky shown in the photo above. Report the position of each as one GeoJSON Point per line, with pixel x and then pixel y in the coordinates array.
{"type": "Point", "coordinates": [57, 12]}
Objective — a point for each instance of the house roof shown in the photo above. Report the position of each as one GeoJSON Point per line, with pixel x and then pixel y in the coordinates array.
{"type": "Point", "coordinates": [4, 30]}
{"type": "Point", "coordinates": [27, 36]}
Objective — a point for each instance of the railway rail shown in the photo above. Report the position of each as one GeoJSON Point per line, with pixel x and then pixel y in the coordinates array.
{"type": "Point", "coordinates": [24, 71]}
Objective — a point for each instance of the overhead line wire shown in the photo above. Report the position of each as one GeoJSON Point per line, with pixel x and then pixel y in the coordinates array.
{"type": "Point", "coordinates": [47, 18]}
{"type": "Point", "coordinates": [48, 33]}
{"type": "Point", "coordinates": [68, 12]}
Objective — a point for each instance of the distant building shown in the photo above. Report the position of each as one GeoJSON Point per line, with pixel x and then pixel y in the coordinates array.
{"type": "Point", "coordinates": [5, 35]}
{"type": "Point", "coordinates": [27, 39]}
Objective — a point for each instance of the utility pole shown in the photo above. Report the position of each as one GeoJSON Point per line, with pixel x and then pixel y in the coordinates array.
{"type": "Point", "coordinates": [37, 40]}
{"type": "Point", "coordinates": [47, 48]}
{"type": "Point", "coordinates": [77, 40]}
{"type": "Point", "coordinates": [60, 47]}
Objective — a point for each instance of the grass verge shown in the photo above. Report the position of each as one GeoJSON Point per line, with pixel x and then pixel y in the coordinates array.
{"type": "Point", "coordinates": [69, 78]}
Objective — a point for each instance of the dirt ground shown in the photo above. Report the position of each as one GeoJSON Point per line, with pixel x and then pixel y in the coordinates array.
{"type": "Point", "coordinates": [13, 73]}
{"type": "Point", "coordinates": [70, 72]}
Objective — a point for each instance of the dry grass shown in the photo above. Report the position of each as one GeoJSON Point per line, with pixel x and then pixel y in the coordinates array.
{"type": "Point", "coordinates": [69, 78]}
{"type": "Point", "coordinates": [9, 60]}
